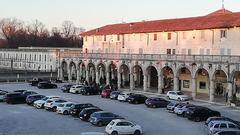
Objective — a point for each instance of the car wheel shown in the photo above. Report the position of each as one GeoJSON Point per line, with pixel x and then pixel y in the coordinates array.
{"type": "Point", "coordinates": [42, 106]}
{"type": "Point", "coordinates": [65, 112]}
{"type": "Point", "coordinates": [197, 119]}
{"type": "Point", "coordinates": [168, 97]}
{"type": "Point", "coordinates": [88, 93]}
{"type": "Point", "coordinates": [76, 92]}
{"type": "Point", "coordinates": [54, 109]}
{"type": "Point", "coordinates": [179, 99]}
{"type": "Point", "coordinates": [99, 124]}
{"type": "Point", "coordinates": [137, 132]}
{"type": "Point", "coordinates": [114, 133]}
{"type": "Point", "coordinates": [154, 106]}
{"type": "Point", "coordinates": [136, 102]}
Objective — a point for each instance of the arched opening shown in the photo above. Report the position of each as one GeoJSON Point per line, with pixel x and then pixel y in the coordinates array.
{"type": "Point", "coordinates": [236, 85]}
{"type": "Point", "coordinates": [152, 79]}
{"type": "Point", "coordinates": [113, 75]}
{"type": "Point", "coordinates": [91, 73]}
{"type": "Point", "coordinates": [73, 71]}
{"type": "Point", "coordinates": [138, 77]}
{"type": "Point", "coordinates": [167, 73]}
{"type": "Point", "coordinates": [185, 78]}
{"type": "Point", "coordinates": [202, 84]}
{"type": "Point", "coordinates": [125, 76]}
{"type": "Point", "coordinates": [64, 70]}
{"type": "Point", "coordinates": [220, 85]}
{"type": "Point", "coordinates": [101, 73]}
{"type": "Point", "coordinates": [82, 72]}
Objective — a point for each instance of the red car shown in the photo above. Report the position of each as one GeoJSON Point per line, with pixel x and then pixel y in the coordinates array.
{"type": "Point", "coordinates": [106, 93]}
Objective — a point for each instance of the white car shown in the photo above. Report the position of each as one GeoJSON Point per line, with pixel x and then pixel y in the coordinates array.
{"type": "Point", "coordinates": [75, 89]}
{"type": "Point", "coordinates": [215, 126]}
{"type": "Point", "coordinates": [40, 103]}
{"type": "Point", "coordinates": [177, 95]}
{"type": "Point", "coordinates": [64, 108]}
{"type": "Point", "coordinates": [123, 127]}
{"type": "Point", "coordinates": [51, 104]}
{"type": "Point", "coordinates": [124, 95]}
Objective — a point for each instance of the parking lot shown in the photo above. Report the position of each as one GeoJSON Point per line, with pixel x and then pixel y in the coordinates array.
{"type": "Point", "coordinates": [26, 120]}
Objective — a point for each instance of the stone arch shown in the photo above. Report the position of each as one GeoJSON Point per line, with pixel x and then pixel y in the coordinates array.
{"type": "Point", "coordinates": [168, 75]}
{"type": "Point", "coordinates": [101, 71]}
{"type": "Point", "coordinates": [113, 72]}
{"type": "Point", "coordinates": [152, 78]}
{"type": "Point", "coordinates": [73, 71]}
{"type": "Point", "coordinates": [138, 74]}
{"type": "Point", "coordinates": [64, 70]}
{"type": "Point", "coordinates": [124, 71]}
{"type": "Point", "coordinates": [235, 80]}
{"type": "Point", "coordinates": [82, 71]}
{"type": "Point", "coordinates": [220, 79]}
{"type": "Point", "coordinates": [202, 83]}
{"type": "Point", "coordinates": [91, 73]}
{"type": "Point", "coordinates": [184, 75]}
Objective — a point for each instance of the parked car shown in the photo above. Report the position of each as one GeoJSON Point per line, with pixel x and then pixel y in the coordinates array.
{"type": "Point", "coordinates": [102, 118]}
{"type": "Point", "coordinates": [58, 81]}
{"type": "Point", "coordinates": [92, 133]}
{"type": "Point", "coordinates": [171, 106]}
{"type": "Point", "coordinates": [124, 95]}
{"type": "Point", "coordinates": [75, 89]}
{"type": "Point", "coordinates": [40, 103]}
{"type": "Point", "coordinates": [182, 108]}
{"type": "Point", "coordinates": [35, 81]}
{"type": "Point", "coordinates": [86, 113]}
{"type": "Point", "coordinates": [217, 126]}
{"type": "Point", "coordinates": [222, 119]}
{"type": "Point", "coordinates": [64, 108]}
{"type": "Point", "coordinates": [136, 99]}
{"type": "Point", "coordinates": [19, 91]}
{"type": "Point", "coordinates": [155, 102]}
{"type": "Point", "coordinates": [228, 132]}
{"type": "Point", "coordinates": [123, 127]}
{"type": "Point", "coordinates": [46, 85]}
{"type": "Point", "coordinates": [106, 93]}
{"type": "Point", "coordinates": [201, 113]}
{"type": "Point", "coordinates": [177, 95]}
{"type": "Point", "coordinates": [88, 90]}
{"type": "Point", "coordinates": [66, 88]}
{"type": "Point", "coordinates": [15, 98]}
{"type": "Point", "coordinates": [51, 104]}
{"type": "Point", "coordinates": [32, 98]}
{"type": "Point", "coordinates": [2, 95]}
{"type": "Point", "coordinates": [77, 108]}
{"type": "Point", "coordinates": [27, 93]}
{"type": "Point", "coordinates": [114, 94]}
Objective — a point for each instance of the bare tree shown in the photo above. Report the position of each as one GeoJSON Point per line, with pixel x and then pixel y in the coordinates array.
{"type": "Point", "coordinates": [68, 29]}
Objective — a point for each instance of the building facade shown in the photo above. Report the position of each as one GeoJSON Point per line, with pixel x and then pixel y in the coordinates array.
{"type": "Point", "coordinates": [197, 55]}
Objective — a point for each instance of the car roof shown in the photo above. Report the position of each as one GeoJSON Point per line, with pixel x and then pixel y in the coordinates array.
{"type": "Point", "coordinates": [121, 120]}
{"type": "Point", "coordinates": [67, 102]}
{"type": "Point", "coordinates": [92, 133]}
{"type": "Point", "coordinates": [221, 121]}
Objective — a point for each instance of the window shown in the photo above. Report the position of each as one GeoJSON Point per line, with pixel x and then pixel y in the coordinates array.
{"type": "Point", "coordinates": [35, 57]}
{"type": "Point", "coordinates": [169, 36]}
{"type": "Point", "coordinates": [105, 38]}
{"type": "Point", "coordinates": [118, 37]}
{"type": "Point", "coordinates": [173, 51]}
{"type": "Point", "coordinates": [223, 125]}
{"type": "Point", "coordinates": [168, 51]}
{"type": "Point", "coordinates": [39, 57]}
{"type": "Point", "coordinates": [202, 85]}
{"type": "Point", "coordinates": [186, 83]}
{"type": "Point", "coordinates": [154, 37]}
{"type": "Point", "coordinates": [223, 34]}
{"type": "Point", "coordinates": [231, 125]}
{"type": "Point", "coordinates": [216, 126]}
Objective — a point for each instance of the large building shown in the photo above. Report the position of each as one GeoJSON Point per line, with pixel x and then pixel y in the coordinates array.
{"type": "Point", "coordinates": [197, 55]}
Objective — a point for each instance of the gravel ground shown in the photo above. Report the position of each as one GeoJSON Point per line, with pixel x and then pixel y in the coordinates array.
{"type": "Point", "coordinates": [25, 120]}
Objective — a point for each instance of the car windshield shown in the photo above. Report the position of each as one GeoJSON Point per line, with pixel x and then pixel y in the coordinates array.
{"type": "Point", "coordinates": [45, 98]}
{"type": "Point", "coordinates": [111, 123]}
{"type": "Point", "coordinates": [61, 105]}
{"type": "Point", "coordinates": [180, 93]}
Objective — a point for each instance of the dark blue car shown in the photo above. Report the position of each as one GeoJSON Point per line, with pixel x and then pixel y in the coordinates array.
{"type": "Point", "coordinates": [155, 102]}
{"type": "Point", "coordinates": [32, 98]}
{"type": "Point", "coordinates": [103, 118]}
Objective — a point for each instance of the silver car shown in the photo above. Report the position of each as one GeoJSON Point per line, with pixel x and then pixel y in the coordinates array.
{"type": "Point", "coordinates": [217, 126]}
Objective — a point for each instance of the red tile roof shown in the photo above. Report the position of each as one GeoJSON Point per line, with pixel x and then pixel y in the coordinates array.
{"type": "Point", "coordinates": [211, 21]}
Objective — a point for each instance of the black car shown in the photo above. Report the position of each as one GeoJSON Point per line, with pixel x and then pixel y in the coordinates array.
{"type": "Point", "coordinates": [85, 113]}
{"type": "Point", "coordinates": [46, 85]}
{"type": "Point", "coordinates": [136, 99]}
{"type": "Point", "coordinates": [103, 118]}
{"type": "Point", "coordinates": [114, 94]}
{"type": "Point", "coordinates": [201, 113]}
{"type": "Point", "coordinates": [88, 90]}
{"type": "Point", "coordinates": [32, 98]}
{"type": "Point", "coordinates": [20, 91]}
{"type": "Point", "coordinates": [77, 108]}
{"type": "Point", "coordinates": [66, 88]}
{"type": "Point", "coordinates": [155, 102]}
{"type": "Point", "coordinates": [35, 82]}
{"type": "Point", "coordinates": [15, 98]}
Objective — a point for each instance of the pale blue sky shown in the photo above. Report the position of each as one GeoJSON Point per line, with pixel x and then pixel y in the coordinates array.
{"type": "Point", "coordinates": [95, 13]}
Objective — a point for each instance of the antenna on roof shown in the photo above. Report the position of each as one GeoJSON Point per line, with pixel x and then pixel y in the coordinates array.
{"type": "Point", "coordinates": [223, 5]}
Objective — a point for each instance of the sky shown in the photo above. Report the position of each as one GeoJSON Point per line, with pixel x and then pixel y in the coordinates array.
{"type": "Point", "coordinates": [96, 13]}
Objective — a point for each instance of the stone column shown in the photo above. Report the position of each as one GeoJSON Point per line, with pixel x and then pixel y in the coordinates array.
{"type": "Point", "coordinates": [211, 91]}
{"type": "Point", "coordinates": [107, 77]}
{"type": "Point", "coordinates": [194, 88]}
{"type": "Point", "coordinates": [78, 75]}
{"type": "Point", "coordinates": [175, 82]}
{"type": "Point", "coordinates": [230, 90]}
{"type": "Point", "coordinates": [97, 77]}
{"type": "Point", "coordinates": [148, 81]}
{"type": "Point", "coordinates": [131, 81]}
{"type": "Point", "coordinates": [160, 84]}
{"type": "Point", "coordinates": [87, 76]}
{"type": "Point", "coordinates": [145, 82]}
{"type": "Point", "coordinates": [119, 80]}
{"type": "Point", "coordinates": [69, 75]}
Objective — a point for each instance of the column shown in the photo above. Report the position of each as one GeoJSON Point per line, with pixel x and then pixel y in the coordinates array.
{"type": "Point", "coordinates": [69, 76]}
{"type": "Point", "coordinates": [119, 80]}
{"type": "Point", "coordinates": [87, 76]}
{"type": "Point", "coordinates": [175, 82]}
{"type": "Point", "coordinates": [148, 80]}
{"type": "Point", "coordinates": [107, 77]}
{"type": "Point", "coordinates": [160, 84]}
{"type": "Point", "coordinates": [194, 88]}
{"type": "Point", "coordinates": [145, 82]}
{"type": "Point", "coordinates": [78, 76]}
{"type": "Point", "coordinates": [230, 90]}
{"type": "Point", "coordinates": [211, 91]}
{"type": "Point", "coordinates": [61, 74]}
{"type": "Point", "coordinates": [131, 81]}
{"type": "Point", "coordinates": [97, 77]}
